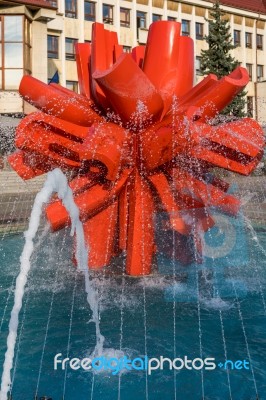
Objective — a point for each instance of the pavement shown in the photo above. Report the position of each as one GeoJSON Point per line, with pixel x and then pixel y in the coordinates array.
{"type": "Point", "coordinates": [7, 133]}
{"type": "Point", "coordinates": [252, 192]}
{"type": "Point", "coordinates": [6, 121]}
{"type": "Point", "coordinates": [16, 200]}
{"type": "Point", "coordinates": [17, 196]}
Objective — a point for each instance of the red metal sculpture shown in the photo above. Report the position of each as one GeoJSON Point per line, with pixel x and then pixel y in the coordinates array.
{"type": "Point", "coordinates": [137, 139]}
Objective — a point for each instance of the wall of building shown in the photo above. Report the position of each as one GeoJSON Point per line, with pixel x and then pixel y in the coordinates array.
{"type": "Point", "coordinates": [261, 93]}
{"type": "Point", "coordinates": [10, 100]}
{"type": "Point", "coordinates": [128, 36]}
{"type": "Point", "coordinates": [57, 24]}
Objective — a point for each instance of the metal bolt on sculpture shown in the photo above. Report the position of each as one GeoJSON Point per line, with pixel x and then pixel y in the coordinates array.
{"type": "Point", "coordinates": [138, 139]}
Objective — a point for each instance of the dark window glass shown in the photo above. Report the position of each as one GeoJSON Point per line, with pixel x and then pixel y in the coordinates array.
{"type": "Point", "coordinates": [237, 38]}
{"type": "Point", "coordinates": [52, 46]}
{"type": "Point", "coordinates": [248, 40]}
{"type": "Point", "coordinates": [108, 14]}
{"type": "Point", "coordinates": [141, 19]}
{"type": "Point", "coordinates": [71, 8]}
{"type": "Point", "coordinates": [185, 27]}
{"type": "Point", "coordinates": [171, 18]}
{"type": "Point", "coordinates": [125, 17]}
{"type": "Point", "coordinates": [199, 31]}
{"type": "Point", "coordinates": [127, 49]}
{"type": "Point", "coordinates": [260, 42]}
{"type": "Point", "coordinates": [70, 48]}
{"type": "Point", "coordinates": [249, 68]}
{"type": "Point", "coordinates": [72, 85]}
{"type": "Point", "coordinates": [53, 3]}
{"type": "Point", "coordinates": [156, 17]}
{"type": "Point", "coordinates": [259, 71]}
{"type": "Point", "coordinates": [89, 11]}
{"type": "Point", "coordinates": [198, 65]}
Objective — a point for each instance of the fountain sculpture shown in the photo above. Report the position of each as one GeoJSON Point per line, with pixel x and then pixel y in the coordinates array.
{"type": "Point", "coordinates": [138, 139]}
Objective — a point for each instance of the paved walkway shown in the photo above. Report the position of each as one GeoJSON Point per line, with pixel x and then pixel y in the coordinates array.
{"type": "Point", "coordinates": [252, 192]}
{"type": "Point", "coordinates": [16, 199]}
{"type": "Point", "coordinates": [10, 183]}
{"type": "Point", "coordinates": [6, 121]}
{"type": "Point", "coordinates": [7, 134]}
{"type": "Point", "coordinates": [17, 196]}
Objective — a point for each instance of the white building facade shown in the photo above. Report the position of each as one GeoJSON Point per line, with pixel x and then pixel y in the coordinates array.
{"type": "Point", "coordinates": [49, 34]}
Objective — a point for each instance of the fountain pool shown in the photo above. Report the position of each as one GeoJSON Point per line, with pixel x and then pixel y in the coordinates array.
{"type": "Point", "coordinates": [137, 318]}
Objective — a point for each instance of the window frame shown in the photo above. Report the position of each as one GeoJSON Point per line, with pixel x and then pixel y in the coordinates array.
{"type": "Point", "coordinates": [53, 3]}
{"type": "Point", "coordinates": [140, 18]}
{"type": "Point", "coordinates": [248, 42]}
{"type": "Point", "coordinates": [237, 35]}
{"type": "Point", "coordinates": [125, 23]}
{"type": "Point", "coordinates": [72, 13]}
{"type": "Point", "coordinates": [200, 35]}
{"type": "Point", "coordinates": [259, 45]}
{"type": "Point", "coordinates": [70, 56]}
{"type": "Point", "coordinates": [90, 17]}
{"type": "Point", "coordinates": [249, 68]}
{"type": "Point", "coordinates": [197, 70]}
{"type": "Point", "coordinates": [56, 52]}
{"type": "Point", "coordinates": [25, 42]}
{"type": "Point", "coordinates": [260, 67]}
{"type": "Point", "coordinates": [156, 17]}
{"type": "Point", "coordinates": [110, 19]}
{"type": "Point", "coordinates": [127, 49]}
{"type": "Point", "coordinates": [75, 85]}
{"type": "Point", "coordinates": [185, 33]}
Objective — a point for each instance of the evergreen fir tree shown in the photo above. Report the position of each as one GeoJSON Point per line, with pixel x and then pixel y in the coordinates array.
{"type": "Point", "coordinates": [217, 59]}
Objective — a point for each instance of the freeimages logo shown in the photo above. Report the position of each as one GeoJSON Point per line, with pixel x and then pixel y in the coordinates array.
{"type": "Point", "coordinates": [123, 364]}
{"type": "Point", "coordinates": [116, 365]}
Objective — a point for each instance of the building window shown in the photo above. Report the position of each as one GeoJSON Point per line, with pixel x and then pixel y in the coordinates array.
{"type": "Point", "coordinates": [89, 11]}
{"type": "Point", "coordinates": [248, 40]}
{"type": "Point", "coordinates": [237, 38]}
{"type": "Point", "coordinates": [53, 3]}
{"type": "Point", "coordinates": [198, 65]}
{"type": "Point", "coordinates": [156, 17]}
{"type": "Point", "coordinates": [260, 42]}
{"type": "Point", "coordinates": [259, 72]}
{"type": "Point", "coordinates": [15, 50]}
{"type": "Point", "coordinates": [249, 68]}
{"type": "Point", "coordinates": [72, 85]}
{"type": "Point", "coordinates": [141, 19]}
{"type": "Point", "coordinates": [185, 27]}
{"type": "Point", "coordinates": [53, 46]}
{"type": "Point", "coordinates": [71, 8]}
{"type": "Point", "coordinates": [108, 14]}
{"type": "Point", "coordinates": [171, 18]}
{"type": "Point", "coordinates": [250, 106]}
{"type": "Point", "coordinates": [125, 17]}
{"type": "Point", "coordinates": [70, 48]}
{"type": "Point", "coordinates": [199, 31]}
{"type": "Point", "coordinates": [126, 49]}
